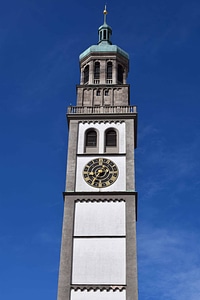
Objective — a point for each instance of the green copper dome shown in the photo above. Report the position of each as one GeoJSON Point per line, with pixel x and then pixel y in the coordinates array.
{"type": "Point", "coordinates": [103, 47]}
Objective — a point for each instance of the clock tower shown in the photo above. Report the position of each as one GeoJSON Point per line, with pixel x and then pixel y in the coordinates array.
{"type": "Point", "coordinates": [98, 253]}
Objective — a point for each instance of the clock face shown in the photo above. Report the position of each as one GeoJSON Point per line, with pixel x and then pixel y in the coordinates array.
{"type": "Point", "coordinates": [100, 172]}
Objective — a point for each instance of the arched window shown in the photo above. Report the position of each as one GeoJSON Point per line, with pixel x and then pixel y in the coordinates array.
{"type": "Point", "coordinates": [97, 70]}
{"type": "Point", "coordinates": [86, 74]}
{"type": "Point", "coordinates": [111, 138]}
{"type": "Point", "coordinates": [91, 138]}
{"type": "Point", "coordinates": [120, 74]}
{"type": "Point", "coordinates": [104, 34]}
{"type": "Point", "coordinates": [109, 70]}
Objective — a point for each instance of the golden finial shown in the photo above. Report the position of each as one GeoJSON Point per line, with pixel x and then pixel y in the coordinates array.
{"type": "Point", "coordinates": [105, 12]}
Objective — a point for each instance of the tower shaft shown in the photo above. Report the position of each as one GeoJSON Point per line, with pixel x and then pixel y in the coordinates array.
{"type": "Point", "coordinates": [98, 252]}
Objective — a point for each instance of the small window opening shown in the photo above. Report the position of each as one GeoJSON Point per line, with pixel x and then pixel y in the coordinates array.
{"type": "Point", "coordinates": [109, 70]}
{"type": "Point", "coordinates": [106, 93]}
{"type": "Point", "coordinates": [104, 34]}
{"type": "Point", "coordinates": [86, 74]}
{"type": "Point", "coordinates": [111, 138]}
{"type": "Point", "coordinates": [98, 93]}
{"type": "Point", "coordinates": [96, 70]}
{"type": "Point", "coordinates": [91, 138]}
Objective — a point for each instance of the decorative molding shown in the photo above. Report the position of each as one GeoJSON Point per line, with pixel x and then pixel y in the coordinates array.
{"type": "Point", "coordinates": [102, 122]}
{"type": "Point", "coordinates": [99, 200]}
{"type": "Point", "coordinates": [109, 288]}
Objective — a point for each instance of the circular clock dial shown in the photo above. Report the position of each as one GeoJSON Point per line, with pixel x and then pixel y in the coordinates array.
{"type": "Point", "coordinates": [100, 172]}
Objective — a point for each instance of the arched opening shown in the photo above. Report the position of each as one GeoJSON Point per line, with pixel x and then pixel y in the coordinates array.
{"type": "Point", "coordinates": [98, 93]}
{"type": "Point", "coordinates": [96, 70]}
{"type": "Point", "coordinates": [91, 138]}
{"type": "Point", "coordinates": [109, 72]}
{"type": "Point", "coordinates": [111, 138]}
{"type": "Point", "coordinates": [91, 141]}
{"type": "Point", "coordinates": [86, 74]}
{"type": "Point", "coordinates": [104, 34]}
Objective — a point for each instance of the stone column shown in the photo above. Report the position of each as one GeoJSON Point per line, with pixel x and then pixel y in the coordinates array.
{"type": "Point", "coordinates": [91, 72]}
{"type": "Point", "coordinates": [114, 75]}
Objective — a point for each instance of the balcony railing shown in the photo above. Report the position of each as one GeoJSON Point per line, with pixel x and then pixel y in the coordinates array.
{"type": "Point", "coordinates": [96, 81]}
{"type": "Point", "coordinates": [101, 109]}
{"type": "Point", "coordinates": [109, 81]}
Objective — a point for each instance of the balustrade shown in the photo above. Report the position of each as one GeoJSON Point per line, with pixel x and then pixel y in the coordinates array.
{"type": "Point", "coordinates": [101, 109]}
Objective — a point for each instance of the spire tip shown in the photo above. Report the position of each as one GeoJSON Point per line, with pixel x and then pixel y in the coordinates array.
{"type": "Point", "coordinates": [105, 12]}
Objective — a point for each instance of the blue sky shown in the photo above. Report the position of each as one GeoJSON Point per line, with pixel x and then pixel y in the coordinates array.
{"type": "Point", "coordinates": [39, 48]}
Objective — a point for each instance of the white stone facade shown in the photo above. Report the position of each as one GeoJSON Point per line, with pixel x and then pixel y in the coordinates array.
{"type": "Point", "coordinates": [101, 128]}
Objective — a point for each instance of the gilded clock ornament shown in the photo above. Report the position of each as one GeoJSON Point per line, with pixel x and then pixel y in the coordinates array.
{"type": "Point", "coordinates": [100, 172]}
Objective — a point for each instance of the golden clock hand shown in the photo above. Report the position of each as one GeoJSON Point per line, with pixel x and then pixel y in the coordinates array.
{"type": "Point", "coordinates": [105, 169]}
{"type": "Point", "coordinates": [93, 181]}
{"type": "Point", "coordinates": [99, 173]}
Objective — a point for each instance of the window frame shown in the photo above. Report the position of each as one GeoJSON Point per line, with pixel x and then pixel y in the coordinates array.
{"type": "Point", "coordinates": [109, 70]}
{"type": "Point", "coordinates": [111, 144]}
{"type": "Point", "coordinates": [97, 70]}
{"type": "Point", "coordinates": [88, 147]}
{"type": "Point", "coordinates": [91, 144]}
{"type": "Point", "coordinates": [86, 73]}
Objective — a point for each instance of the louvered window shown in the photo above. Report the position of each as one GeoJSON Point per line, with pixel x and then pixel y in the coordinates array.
{"type": "Point", "coordinates": [111, 138]}
{"type": "Point", "coordinates": [91, 138]}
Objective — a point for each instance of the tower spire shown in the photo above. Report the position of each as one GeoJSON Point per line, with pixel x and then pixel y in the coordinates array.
{"type": "Point", "coordinates": [105, 31]}
{"type": "Point", "coordinates": [105, 12]}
